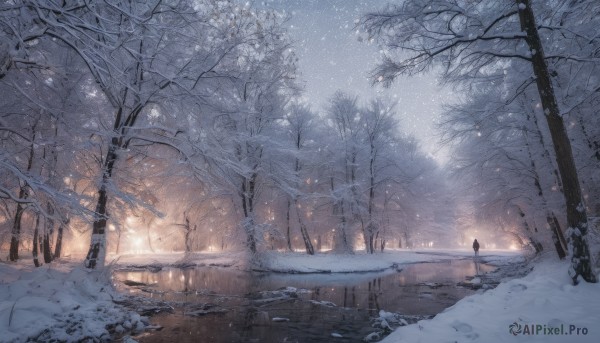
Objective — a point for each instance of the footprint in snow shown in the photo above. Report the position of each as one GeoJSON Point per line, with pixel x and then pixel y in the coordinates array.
{"type": "Point", "coordinates": [518, 287]}
{"type": "Point", "coordinates": [462, 327]}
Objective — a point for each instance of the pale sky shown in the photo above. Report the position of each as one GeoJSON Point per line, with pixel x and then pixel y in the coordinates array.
{"type": "Point", "coordinates": [332, 58]}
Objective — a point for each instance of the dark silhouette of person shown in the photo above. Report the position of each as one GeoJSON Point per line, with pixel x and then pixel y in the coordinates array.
{"type": "Point", "coordinates": [476, 247]}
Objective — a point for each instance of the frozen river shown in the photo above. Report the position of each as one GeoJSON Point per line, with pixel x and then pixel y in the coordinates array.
{"type": "Point", "coordinates": [213, 304]}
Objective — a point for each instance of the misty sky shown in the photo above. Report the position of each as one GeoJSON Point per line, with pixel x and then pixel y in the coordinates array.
{"type": "Point", "coordinates": [332, 58]}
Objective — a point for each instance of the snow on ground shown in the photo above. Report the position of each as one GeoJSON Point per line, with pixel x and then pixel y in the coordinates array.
{"type": "Point", "coordinates": [362, 262]}
{"type": "Point", "coordinates": [64, 301]}
{"type": "Point", "coordinates": [61, 301]}
{"type": "Point", "coordinates": [298, 262]}
{"type": "Point", "coordinates": [544, 299]}
{"type": "Point", "coordinates": [179, 259]}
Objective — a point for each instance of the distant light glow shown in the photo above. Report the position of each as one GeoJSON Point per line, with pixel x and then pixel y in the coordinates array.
{"type": "Point", "coordinates": [137, 244]}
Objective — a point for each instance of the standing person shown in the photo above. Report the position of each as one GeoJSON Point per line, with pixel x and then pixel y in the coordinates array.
{"type": "Point", "coordinates": [476, 247]}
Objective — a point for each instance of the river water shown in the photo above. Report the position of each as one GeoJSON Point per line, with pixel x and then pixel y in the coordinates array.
{"type": "Point", "coordinates": [213, 304]}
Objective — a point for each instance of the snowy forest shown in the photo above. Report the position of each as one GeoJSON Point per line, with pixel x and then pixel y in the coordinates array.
{"type": "Point", "coordinates": [183, 126]}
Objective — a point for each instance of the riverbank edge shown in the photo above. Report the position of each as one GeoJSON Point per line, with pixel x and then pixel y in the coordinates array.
{"type": "Point", "coordinates": [538, 293]}
{"type": "Point", "coordinates": [299, 263]}
{"type": "Point", "coordinates": [58, 314]}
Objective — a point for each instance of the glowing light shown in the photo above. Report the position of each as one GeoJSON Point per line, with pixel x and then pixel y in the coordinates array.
{"type": "Point", "coordinates": [513, 247]}
{"type": "Point", "coordinates": [136, 244]}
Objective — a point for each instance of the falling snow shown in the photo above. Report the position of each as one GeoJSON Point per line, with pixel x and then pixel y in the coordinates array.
{"type": "Point", "coordinates": [326, 31]}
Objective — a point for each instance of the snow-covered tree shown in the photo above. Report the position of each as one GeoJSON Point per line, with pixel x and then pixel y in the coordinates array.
{"type": "Point", "coordinates": [148, 72]}
{"type": "Point", "coordinates": [472, 41]}
{"type": "Point", "coordinates": [380, 130]}
{"type": "Point", "coordinates": [344, 117]}
{"type": "Point", "coordinates": [501, 156]}
{"type": "Point", "coordinates": [300, 125]}
{"type": "Point", "coordinates": [235, 131]}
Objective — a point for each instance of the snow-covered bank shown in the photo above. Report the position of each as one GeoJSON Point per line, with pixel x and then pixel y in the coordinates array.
{"type": "Point", "coordinates": [65, 302]}
{"type": "Point", "coordinates": [180, 259]}
{"type": "Point", "coordinates": [61, 301]}
{"type": "Point", "coordinates": [297, 262]}
{"type": "Point", "coordinates": [362, 262]}
{"type": "Point", "coordinates": [541, 307]}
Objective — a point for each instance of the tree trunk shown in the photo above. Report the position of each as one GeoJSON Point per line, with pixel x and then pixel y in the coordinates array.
{"type": "Point", "coordinates": [372, 229]}
{"type": "Point", "coordinates": [560, 234]}
{"type": "Point", "coordinates": [188, 232]}
{"type": "Point", "coordinates": [56, 183]}
{"type": "Point", "coordinates": [303, 230]}
{"type": "Point", "coordinates": [288, 234]}
{"type": "Point", "coordinates": [537, 246]}
{"type": "Point", "coordinates": [250, 229]}
{"type": "Point", "coordinates": [36, 261]}
{"type": "Point", "coordinates": [307, 243]}
{"type": "Point", "coordinates": [247, 196]}
{"type": "Point", "coordinates": [59, 237]}
{"type": "Point", "coordinates": [554, 230]}
{"type": "Point", "coordinates": [534, 242]}
{"type": "Point", "coordinates": [340, 237]}
{"type": "Point", "coordinates": [23, 194]}
{"type": "Point", "coordinates": [16, 230]}
{"type": "Point", "coordinates": [97, 251]}
{"type": "Point", "coordinates": [48, 232]}
{"type": "Point", "coordinates": [343, 229]}
{"type": "Point", "coordinates": [556, 235]}
{"type": "Point", "coordinates": [581, 260]}
{"type": "Point", "coordinates": [546, 154]}
{"type": "Point", "coordinates": [355, 208]}
{"type": "Point", "coordinates": [592, 142]}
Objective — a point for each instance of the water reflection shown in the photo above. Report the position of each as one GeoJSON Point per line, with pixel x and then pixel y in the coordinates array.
{"type": "Point", "coordinates": [419, 289]}
{"type": "Point", "coordinates": [477, 263]}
